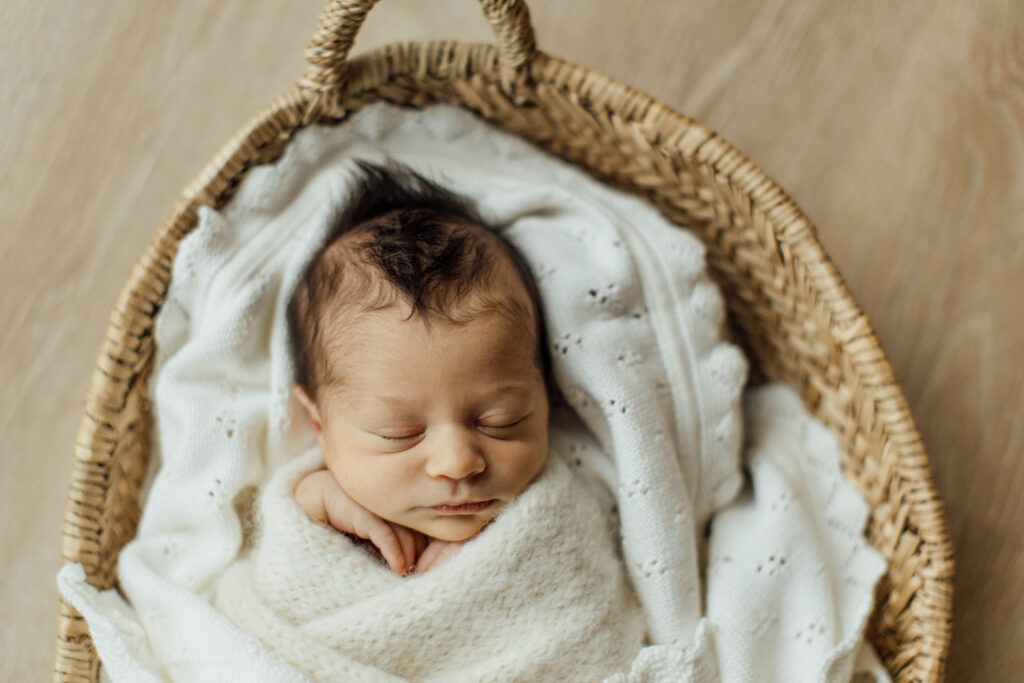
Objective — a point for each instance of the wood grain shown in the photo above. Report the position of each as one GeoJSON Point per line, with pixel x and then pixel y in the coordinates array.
{"type": "Point", "coordinates": [898, 128]}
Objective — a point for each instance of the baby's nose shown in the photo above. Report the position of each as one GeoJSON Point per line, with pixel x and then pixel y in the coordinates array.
{"type": "Point", "coordinates": [455, 454]}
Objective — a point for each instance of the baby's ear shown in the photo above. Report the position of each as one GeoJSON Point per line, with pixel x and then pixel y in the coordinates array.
{"type": "Point", "coordinates": [310, 405]}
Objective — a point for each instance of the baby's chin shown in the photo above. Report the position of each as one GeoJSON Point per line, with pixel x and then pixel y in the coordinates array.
{"type": "Point", "coordinates": [457, 528]}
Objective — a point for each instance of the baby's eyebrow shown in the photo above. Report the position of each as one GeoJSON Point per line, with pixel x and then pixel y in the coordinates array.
{"type": "Point", "coordinates": [516, 388]}
{"type": "Point", "coordinates": [511, 388]}
{"type": "Point", "coordinates": [357, 399]}
{"type": "Point", "coordinates": [396, 401]}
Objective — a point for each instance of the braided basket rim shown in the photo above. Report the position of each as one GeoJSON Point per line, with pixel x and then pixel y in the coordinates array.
{"type": "Point", "coordinates": [912, 623]}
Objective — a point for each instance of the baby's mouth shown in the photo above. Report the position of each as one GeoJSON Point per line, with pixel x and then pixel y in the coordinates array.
{"type": "Point", "coordinates": [464, 508]}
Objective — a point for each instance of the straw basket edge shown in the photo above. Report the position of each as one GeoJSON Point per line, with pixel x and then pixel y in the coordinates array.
{"type": "Point", "coordinates": [788, 307]}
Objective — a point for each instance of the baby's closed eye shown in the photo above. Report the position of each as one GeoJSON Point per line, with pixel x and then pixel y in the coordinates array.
{"type": "Point", "coordinates": [501, 422]}
{"type": "Point", "coordinates": [489, 423]}
{"type": "Point", "coordinates": [399, 433]}
{"type": "Point", "coordinates": [508, 427]}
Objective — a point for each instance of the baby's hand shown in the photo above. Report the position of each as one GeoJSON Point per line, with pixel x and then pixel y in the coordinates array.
{"type": "Point", "coordinates": [324, 501]}
{"type": "Point", "coordinates": [437, 553]}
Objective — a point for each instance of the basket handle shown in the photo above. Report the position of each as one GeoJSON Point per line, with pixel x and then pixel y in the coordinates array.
{"type": "Point", "coordinates": [341, 20]}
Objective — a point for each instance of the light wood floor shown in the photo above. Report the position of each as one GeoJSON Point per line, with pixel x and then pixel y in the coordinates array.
{"type": "Point", "coordinates": [898, 127]}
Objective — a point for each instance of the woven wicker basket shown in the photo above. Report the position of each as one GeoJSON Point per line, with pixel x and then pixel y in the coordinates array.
{"type": "Point", "coordinates": [788, 306]}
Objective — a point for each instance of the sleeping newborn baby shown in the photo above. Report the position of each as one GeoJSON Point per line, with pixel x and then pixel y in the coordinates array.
{"type": "Point", "coordinates": [417, 340]}
{"type": "Point", "coordinates": [419, 355]}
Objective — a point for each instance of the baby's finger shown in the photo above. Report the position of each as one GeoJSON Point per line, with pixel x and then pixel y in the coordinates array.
{"type": "Point", "coordinates": [426, 558]}
{"type": "Point", "coordinates": [421, 543]}
{"type": "Point", "coordinates": [383, 536]}
{"type": "Point", "coordinates": [447, 552]}
{"type": "Point", "coordinates": [408, 544]}
{"type": "Point", "coordinates": [436, 554]}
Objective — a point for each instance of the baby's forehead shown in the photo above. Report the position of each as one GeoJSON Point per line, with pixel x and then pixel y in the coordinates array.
{"type": "Point", "coordinates": [387, 349]}
{"type": "Point", "coordinates": [360, 328]}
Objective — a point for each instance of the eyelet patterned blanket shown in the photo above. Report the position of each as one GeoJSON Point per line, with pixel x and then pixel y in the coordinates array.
{"type": "Point", "coordinates": [779, 588]}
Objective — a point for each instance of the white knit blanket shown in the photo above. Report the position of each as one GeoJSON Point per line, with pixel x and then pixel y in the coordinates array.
{"type": "Point", "coordinates": [779, 591]}
{"type": "Point", "coordinates": [517, 603]}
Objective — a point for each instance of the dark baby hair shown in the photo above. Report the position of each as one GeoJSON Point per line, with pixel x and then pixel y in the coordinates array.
{"type": "Point", "coordinates": [427, 245]}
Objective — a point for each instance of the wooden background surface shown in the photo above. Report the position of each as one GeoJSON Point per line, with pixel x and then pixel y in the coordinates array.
{"type": "Point", "coordinates": [898, 128]}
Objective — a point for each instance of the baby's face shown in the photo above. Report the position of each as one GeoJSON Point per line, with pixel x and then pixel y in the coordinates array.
{"type": "Point", "coordinates": [436, 426]}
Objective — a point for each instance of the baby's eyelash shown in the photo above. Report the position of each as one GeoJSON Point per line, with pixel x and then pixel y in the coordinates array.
{"type": "Point", "coordinates": [399, 438]}
{"type": "Point", "coordinates": [505, 426]}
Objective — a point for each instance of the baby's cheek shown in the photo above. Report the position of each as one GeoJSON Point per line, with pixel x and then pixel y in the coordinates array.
{"type": "Point", "coordinates": [362, 484]}
{"type": "Point", "coordinates": [524, 464]}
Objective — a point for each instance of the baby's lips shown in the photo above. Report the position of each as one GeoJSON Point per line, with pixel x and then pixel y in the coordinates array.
{"type": "Point", "coordinates": [467, 507]}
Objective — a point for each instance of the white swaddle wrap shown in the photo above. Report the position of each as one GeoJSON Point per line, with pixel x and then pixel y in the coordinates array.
{"type": "Point", "coordinates": [634, 326]}
{"type": "Point", "coordinates": [539, 595]}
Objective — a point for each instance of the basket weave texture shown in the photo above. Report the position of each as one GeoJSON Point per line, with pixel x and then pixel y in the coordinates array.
{"type": "Point", "coordinates": [788, 307]}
